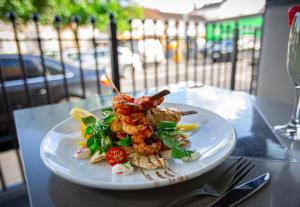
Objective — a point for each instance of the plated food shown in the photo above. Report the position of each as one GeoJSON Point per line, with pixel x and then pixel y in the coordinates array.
{"type": "Point", "coordinates": [135, 132]}
{"type": "Point", "coordinates": [214, 140]}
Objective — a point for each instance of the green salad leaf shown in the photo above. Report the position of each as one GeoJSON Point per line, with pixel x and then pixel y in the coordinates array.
{"type": "Point", "coordinates": [167, 132]}
{"type": "Point", "coordinates": [180, 153]}
{"type": "Point", "coordinates": [126, 141]}
{"type": "Point", "coordinates": [99, 131]}
{"type": "Point", "coordinates": [89, 120]}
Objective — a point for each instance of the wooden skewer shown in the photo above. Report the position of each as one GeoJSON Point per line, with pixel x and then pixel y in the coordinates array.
{"type": "Point", "coordinates": [114, 88]}
{"type": "Point", "coordinates": [183, 113]}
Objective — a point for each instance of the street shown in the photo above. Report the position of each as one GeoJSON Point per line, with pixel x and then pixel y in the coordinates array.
{"type": "Point", "coordinates": [214, 74]}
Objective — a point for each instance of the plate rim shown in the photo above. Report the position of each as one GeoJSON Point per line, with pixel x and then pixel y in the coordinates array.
{"type": "Point", "coordinates": [137, 186]}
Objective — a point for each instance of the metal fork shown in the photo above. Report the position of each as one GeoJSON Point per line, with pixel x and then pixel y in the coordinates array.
{"type": "Point", "coordinates": [223, 183]}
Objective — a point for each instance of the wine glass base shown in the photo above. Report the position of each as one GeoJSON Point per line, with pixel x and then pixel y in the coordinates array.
{"type": "Point", "coordinates": [289, 131]}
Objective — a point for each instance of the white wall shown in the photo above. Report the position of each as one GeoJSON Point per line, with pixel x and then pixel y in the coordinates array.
{"type": "Point", "coordinates": [273, 80]}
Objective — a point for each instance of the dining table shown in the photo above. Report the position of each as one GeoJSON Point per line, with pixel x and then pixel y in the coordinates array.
{"type": "Point", "coordinates": [252, 118]}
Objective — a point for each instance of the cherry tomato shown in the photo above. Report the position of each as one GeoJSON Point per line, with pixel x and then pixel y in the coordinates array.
{"type": "Point", "coordinates": [116, 155]}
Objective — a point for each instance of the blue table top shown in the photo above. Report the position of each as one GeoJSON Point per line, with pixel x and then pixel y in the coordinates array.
{"type": "Point", "coordinates": [255, 139]}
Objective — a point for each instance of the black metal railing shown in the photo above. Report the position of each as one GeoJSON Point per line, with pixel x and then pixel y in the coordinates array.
{"type": "Point", "coordinates": [163, 58]}
{"type": "Point", "coordinates": [235, 67]}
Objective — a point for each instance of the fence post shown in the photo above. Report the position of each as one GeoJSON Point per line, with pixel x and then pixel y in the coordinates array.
{"type": "Point", "coordinates": [144, 56]}
{"type": "Point", "coordinates": [11, 126]}
{"type": "Point", "coordinates": [132, 50]}
{"type": "Point", "coordinates": [13, 19]}
{"type": "Point", "coordinates": [187, 52]}
{"type": "Point", "coordinates": [254, 63]}
{"type": "Point", "coordinates": [177, 50]}
{"type": "Point", "coordinates": [196, 54]}
{"type": "Point", "coordinates": [36, 20]}
{"type": "Point", "coordinates": [167, 51]}
{"type": "Point", "coordinates": [234, 55]}
{"type": "Point", "coordinates": [93, 22]}
{"type": "Point", "coordinates": [114, 52]}
{"type": "Point", "coordinates": [204, 57]}
{"type": "Point", "coordinates": [76, 20]}
{"type": "Point", "coordinates": [57, 20]}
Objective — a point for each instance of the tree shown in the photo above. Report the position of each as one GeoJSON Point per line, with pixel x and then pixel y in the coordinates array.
{"type": "Point", "coordinates": [69, 8]}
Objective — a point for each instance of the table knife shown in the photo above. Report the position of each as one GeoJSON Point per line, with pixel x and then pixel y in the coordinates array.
{"type": "Point", "coordinates": [243, 191]}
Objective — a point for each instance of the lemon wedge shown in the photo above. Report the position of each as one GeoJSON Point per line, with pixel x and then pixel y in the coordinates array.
{"type": "Point", "coordinates": [78, 113]}
{"type": "Point", "coordinates": [187, 127]}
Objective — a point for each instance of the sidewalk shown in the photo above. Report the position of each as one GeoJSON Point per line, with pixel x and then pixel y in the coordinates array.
{"type": "Point", "coordinates": [10, 168]}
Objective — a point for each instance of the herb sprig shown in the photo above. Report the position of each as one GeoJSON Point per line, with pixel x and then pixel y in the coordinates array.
{"type": "Point", "coordinates": [167, 132]}
{"type": "Point", "coordinates": [99, 131]}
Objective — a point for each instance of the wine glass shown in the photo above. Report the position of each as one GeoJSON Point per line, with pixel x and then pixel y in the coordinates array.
{"type": "Point", "coordinates": [291, 130]}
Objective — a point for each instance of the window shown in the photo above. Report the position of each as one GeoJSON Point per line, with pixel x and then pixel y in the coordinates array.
{"type": "Point", "coordinates": [53, 68]}
{"type": "Point", "coordinates": [33, 69]}
{"type": "Point", "coordinates": [12, 71]}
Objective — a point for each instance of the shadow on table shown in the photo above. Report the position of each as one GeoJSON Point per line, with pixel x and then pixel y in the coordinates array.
{"type": "Point", "coordinates": [65, 193]}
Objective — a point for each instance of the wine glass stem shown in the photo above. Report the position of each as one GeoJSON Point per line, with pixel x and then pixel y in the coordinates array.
{"type": "Point", "coordinates": [296, 112]}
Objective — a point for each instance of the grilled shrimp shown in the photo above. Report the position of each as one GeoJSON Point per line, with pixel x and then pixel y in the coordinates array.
{"type": "Point", "coordinates": [149, 102]}
{"type": "Point", "coordinates": [116, 125]}
{"type": "Point", "coordinates": [134, 129]}
{"type": "Point", "coordinates": [143, 143]}
{"type": "Point", "coordinates": [132, 113]}
{"type": "Point", "coordinates": [133, 118]}
{"type": "Point", "coordinates": [124, 102]}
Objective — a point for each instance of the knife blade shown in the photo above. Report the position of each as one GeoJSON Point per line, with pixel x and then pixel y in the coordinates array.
{"type": "Point", "coordinates": [243, 191]}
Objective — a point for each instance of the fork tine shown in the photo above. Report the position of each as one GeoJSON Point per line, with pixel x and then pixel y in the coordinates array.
{"type": "Point", "coordinates": [230, 167]}
{"type": "Point", "coordinates": [238, 179]}
{"type": "Point", "coordinates": [241, 168]}
{"type": "Point", "coordinates": [241, 164]}
{"type": "Point", "coordinates": [228, 172]}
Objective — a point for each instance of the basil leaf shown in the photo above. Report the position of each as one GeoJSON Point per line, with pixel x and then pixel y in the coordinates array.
{"type": "Point", "coordinates": [170, 141]}
{"type": "Point", "coordinates": [180, 153]}
{"type": "Point", "coordinates": [89, 120]}
{"type": "Point", "coordinates": [167, 132]}
{"type": "Point", "coordinates": [95, 146]}
{"type": "Point", "coordinates": [125, 142]}
{"type": "Point", "coordinates": [89, 130]}
{"type": "Point", "coordinates": [90, 142]}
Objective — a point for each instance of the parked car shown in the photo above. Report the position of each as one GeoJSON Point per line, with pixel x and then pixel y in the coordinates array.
{"type": "Point", "coordinates": [9, 64]}
{"type": "Point", "coordinates": [126, 59]}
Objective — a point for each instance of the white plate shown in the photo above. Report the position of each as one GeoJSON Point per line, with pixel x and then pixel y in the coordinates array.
{"type": "Point", "coordinates": [215, 140]}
